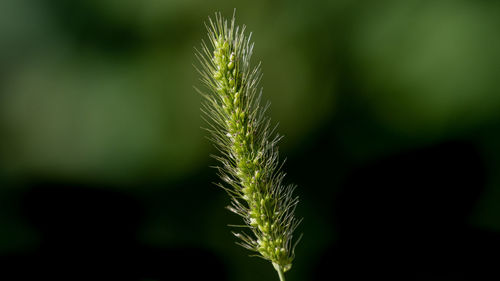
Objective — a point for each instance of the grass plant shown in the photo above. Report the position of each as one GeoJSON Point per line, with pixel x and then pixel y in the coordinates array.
{"type": "Point", "coordinates": [247, 142]}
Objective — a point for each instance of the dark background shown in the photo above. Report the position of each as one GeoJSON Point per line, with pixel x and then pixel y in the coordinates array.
{"type": "Point", "coordinates": [390, 111]}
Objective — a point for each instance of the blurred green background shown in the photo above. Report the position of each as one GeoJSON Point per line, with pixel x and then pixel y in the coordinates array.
{"type": "Point", "coordinates": [97, 96]}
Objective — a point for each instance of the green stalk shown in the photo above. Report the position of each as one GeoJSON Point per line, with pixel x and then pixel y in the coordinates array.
{"type": "Point", "coordinates": [281, 274]}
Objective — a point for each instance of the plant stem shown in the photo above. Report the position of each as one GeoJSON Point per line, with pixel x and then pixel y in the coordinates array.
{"type": "Point", "coordinates": [279, 269]}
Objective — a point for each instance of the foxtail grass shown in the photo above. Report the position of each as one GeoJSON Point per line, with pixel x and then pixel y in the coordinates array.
{"type": "Point", "coordinates": [247, 142]}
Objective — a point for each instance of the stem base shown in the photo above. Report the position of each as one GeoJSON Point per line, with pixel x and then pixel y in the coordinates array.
{"type": "Point", "coordinates": [279, 269]}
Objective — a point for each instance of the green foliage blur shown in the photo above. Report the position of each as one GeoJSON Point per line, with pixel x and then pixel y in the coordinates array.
{"type": "Point", "coordinates": [101, 92]}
